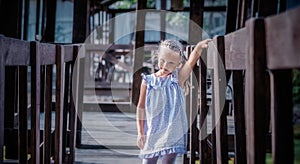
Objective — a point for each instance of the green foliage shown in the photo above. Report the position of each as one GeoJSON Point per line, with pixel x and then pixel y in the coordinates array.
{"type": "Point", "coordinates": [125, 4]}
{"type": "Point", "coordinates": [296, 86]}
{"type": "Point", "coordinates": [297, 144]}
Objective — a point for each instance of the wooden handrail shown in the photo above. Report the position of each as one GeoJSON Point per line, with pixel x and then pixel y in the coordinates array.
{"type": "Point", "coordinates": [235, 50]}
{"type": "Point", "coordinates": [41, 57]}
{"type": "Point", "coordinates": [282, 40]}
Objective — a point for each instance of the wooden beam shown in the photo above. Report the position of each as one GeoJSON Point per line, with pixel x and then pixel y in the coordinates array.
{"type": "Point", "coordinates": [282, 116]}
{"type": "Point", "coordinates": [231, 21]}
{"type": "Point", "coordinates": [219, 92]}
{"type": "Point", "coordinates": [26, 19]}
{"type": "Point", "coordinates": [48, 114]}
{"type": "Point", "coordinates": [80, 32]}
{"type": "Point", "coordinates": [23, 115]}
{"type": "Point", "coordinates": [49, 33]}
{"type": "Point", "coordinates": [256, 97]}
{"type": "Point", "coordinates": [235, 50]}
{"type": "Point", "coordinates": [37, 17]}
{"type": "Point", "coordinates": [196, 21]}
{"type": "Point", "coordinates": [239, 119]}
{"type": "Point", "coordinates": [267, 8]}
{"type": "Point", "coordinates": [282, 33]}
{"type": "Point", "coordinates": [138, 51]}
{"type": "Point", "coordinates": [163, 4]}
{"type": "Point", "coordinates": [72, 109]}
{"type": "Point", "coordinates": [59, 99]}
{"type": "Point", "coordinates": [2, 95]}
{"type": "Point", "coordinates": [11, 18]}
{"type": "Point", "coordinates": [80, 21]}
{"type": "Point", "coordinates": [195, 35]}
{"type": "Point", "coordinates": [35, 102]}
{"type": "Point", "coordinates": [185, 9]}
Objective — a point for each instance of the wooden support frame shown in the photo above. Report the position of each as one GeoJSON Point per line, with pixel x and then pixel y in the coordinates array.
{"type": "Point", "coordinates": [235, 54]}
{"type": "Point", "coordinates": [138, 52]}
{"type": "Point", "coordinates": [227, 54]}
{"type": "Point", "coordinates": [257, 106]}
{"type": "Point", "coordinates": [36, 141]}
{"type": "Point", "coordinates": [2, 88]}
{"type": "Point", "coordinates": [219, 91]}
{"type": "Point", "coordinates": [280, 101]}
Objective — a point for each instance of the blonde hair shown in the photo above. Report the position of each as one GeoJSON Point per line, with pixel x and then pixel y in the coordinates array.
{"type": "Point", "coordinates": [177, 47]}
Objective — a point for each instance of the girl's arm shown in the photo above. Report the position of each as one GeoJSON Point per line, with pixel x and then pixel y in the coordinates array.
{"type": "Point", "coordinates": [140, 115]}
{"type": "Point", "coordinates": [187, 68]}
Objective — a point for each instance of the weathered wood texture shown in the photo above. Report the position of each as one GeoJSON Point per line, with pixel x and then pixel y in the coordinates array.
{"type": "Point", "coordinates": [282, 40]}
{"type": "Point", "coordinates": [227, 53]}
{"type": "Point", "coordinates": [2, 88]}
{"type": "Point", "coordinates": [280, 100]}
{"type": "Point", "coordinates": [235, 54]}
{"type": "Point", "coordinates": [257, 106]}
{"type": "Point", "coordinates": [195, 34]}
{"type": "Point", "coordinates": [42, 142]}
{"type": "Point", "coordinates": [204, 151]}
{"type": "Point", "coordinates": [219, 92]}
{"type": "Point", "coordinates": [138, 51]}
{"type": "Point", "coordinates": [235, 50]}
{"type": "Point", "coordinates": [266, 52]}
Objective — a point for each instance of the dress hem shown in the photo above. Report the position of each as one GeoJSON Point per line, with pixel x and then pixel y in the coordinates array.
{"type": "Point", "coordinates": [164, 152]}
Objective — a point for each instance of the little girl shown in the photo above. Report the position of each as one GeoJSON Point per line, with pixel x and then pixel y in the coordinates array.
{"type": "Point", "coordinates": [161, 119]}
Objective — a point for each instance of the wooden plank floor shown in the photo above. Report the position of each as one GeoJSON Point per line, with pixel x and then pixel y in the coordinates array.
{"type": "Point", "coordinates": [114, 131]}
{"type": "Point", "coordinates": [109, 138]}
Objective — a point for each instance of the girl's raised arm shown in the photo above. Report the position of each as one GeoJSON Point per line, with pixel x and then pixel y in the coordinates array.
{"type": "Point", "coordinates": [187, 68]}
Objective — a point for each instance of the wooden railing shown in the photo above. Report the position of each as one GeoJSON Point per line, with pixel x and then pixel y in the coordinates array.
{"type": "Point", "coordinates": [27, 102]}
{"type": "Point", "coordinates": [259, 58]}
{"type": "Point", "coordinates": [272, 54]}
{"type": "Point", "coordinates": [265, 51]}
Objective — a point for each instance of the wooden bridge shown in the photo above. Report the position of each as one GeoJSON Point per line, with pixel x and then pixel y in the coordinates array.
{"type": "Point", "coordinates": [42, 114]}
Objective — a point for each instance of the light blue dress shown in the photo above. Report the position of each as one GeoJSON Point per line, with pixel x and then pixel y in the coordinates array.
{"type": "Point", "coordinates": [166, 121]}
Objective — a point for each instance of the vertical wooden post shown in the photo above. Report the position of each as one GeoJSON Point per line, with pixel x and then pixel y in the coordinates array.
{"type": "Point", "coordinates": [241, 14]}
{"type": "Point", "coordinates": [204, 151]}
{"type": "Point", "coordinates": [48, 114]}
{"type": "Point", "coordinates": [239, 119]}
{"type": "Point", "coordinates": [49, 33]}
{"type": "Point", "coordinates": [231, 11]}
{"type": "Point", "coordinates": [282, 116]}
{"type": "Point", "coordinates": [73, 98]}
{"type": "Point", "coordinates": [23, 115]}
{"type": "Point", "coordinates": [194, 107]}
{"type": "Point", "coordinates": [35, 101]}
{"type": "Point", "coordinates": [188, 110]}
{"type": "Point", "coordinates": [195, 35]}
{"type": "Point", "coordinates": [163, 4]}
{"type": "Point", "coordinates": [59, 103]}
{"type": "Point", "coordinates": [112, 24]}
{"type": "Point", "coordinates": [80, 21]}
{"type": "Point", "coordinates": [26, 19]}
{"type": "Point", "coordinates": [256, 96]}
{"type": "Point", "coordinates": [11, 14]}
{"type": "Point", "coordinates": [267, 8]}
{"type": "Point", "coordinates": [80, 32]}
{"type": "Point", "coordinates": [2, 86]}
{"type": "Point", "coordinates": [196, 21]}
{"type": "Point", "coordinates": [138, 52]}
{"type": "Point", "coordinates": [219, 92]}
{"type": "Point", "coordinates": [11, 18]}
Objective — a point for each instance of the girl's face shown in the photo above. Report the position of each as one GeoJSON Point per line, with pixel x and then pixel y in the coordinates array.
{"type": "Point", "coordinates": [168, 60]}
